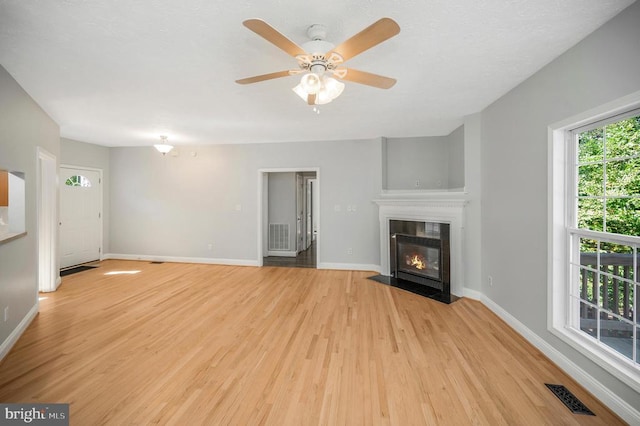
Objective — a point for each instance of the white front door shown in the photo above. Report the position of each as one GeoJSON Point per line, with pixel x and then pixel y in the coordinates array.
{"type": "Point", "coordinates": [80, 216]}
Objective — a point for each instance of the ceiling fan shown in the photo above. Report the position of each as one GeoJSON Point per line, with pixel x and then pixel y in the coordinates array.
{"type": "Point", "coordinates": [319, 61]}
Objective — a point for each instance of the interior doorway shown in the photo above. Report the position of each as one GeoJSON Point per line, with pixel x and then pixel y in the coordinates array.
{"type": "Point", "coordinates": [289, 217]}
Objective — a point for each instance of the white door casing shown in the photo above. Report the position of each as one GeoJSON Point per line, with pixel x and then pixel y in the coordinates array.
{"type": "Point", "coordinates": [80, 216]}
{"type": "Point", "coordinates": [300, 222]}
{"type": "Point", "coordinates": [263, 208]}
{"type": "Point", "coordinates": [308, 209]}
{"type": "Point", "coordinates": [48, 278]}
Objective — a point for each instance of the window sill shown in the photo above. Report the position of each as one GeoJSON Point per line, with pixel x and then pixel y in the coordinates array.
{"type": "Point", "coordinates": [611, 361]}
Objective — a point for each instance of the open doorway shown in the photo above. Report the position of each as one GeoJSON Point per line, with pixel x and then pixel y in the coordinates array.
{"type": "Point", "coordinates": [289, 218]}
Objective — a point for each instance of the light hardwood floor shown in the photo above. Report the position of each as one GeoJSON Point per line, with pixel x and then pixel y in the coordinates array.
{"type": "Point", "coordinates": [191, 344]}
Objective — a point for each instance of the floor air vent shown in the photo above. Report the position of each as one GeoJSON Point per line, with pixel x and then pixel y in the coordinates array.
{"type": "Point", "coordinates": [569, 399]}
{"type": "Point", "coordinates": [157, 263]}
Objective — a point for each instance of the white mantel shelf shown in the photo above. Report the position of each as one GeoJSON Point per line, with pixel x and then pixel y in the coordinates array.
{"type": "Point", "coordinates": [401, 197]}
{"type": "Point", "coordinates": [425, 206]}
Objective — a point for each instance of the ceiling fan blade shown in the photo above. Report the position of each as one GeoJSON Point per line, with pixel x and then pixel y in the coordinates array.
{"type": "Point", "coordinates": [367, 78]}
{"type": "Point", "coordinates": [272, 35]}
{"type": "Point", "coordinates": [263, 77]}
{"type": "Point", "coordinates": [311, 99]}
{"type": "Point", "coordinates": [374, 34]}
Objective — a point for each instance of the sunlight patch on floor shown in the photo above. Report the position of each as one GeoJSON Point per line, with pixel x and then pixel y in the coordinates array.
{"type": "Point", "coordinates": [122, 272]}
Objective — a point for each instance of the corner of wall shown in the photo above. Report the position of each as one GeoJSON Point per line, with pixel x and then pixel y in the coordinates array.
{"type": "Point", "coordinates": [11, 340]}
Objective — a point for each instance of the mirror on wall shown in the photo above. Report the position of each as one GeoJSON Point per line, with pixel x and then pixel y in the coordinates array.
{"type": "Point", "coordinates": [12, 205]}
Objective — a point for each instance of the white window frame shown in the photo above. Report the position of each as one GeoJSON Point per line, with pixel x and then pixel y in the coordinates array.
{"type": "Point", "coordinates": [561, 183]}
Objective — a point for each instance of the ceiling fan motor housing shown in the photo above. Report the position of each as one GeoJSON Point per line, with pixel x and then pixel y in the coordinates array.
{"type": "Point", "coordinates": [317, 32]}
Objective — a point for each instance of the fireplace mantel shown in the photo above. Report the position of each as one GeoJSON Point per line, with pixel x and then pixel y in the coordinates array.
{"type": "Point", "coordinates": [439, 207]}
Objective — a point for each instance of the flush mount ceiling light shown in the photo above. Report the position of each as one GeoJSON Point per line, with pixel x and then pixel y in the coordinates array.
{"type": "Point", "coordinates": [163, 146]}
{"type": "Point", "coordinates": [320, 61]}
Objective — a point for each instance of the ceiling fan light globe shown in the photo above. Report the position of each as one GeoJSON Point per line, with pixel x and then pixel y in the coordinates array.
{"type": "Point", "coordinates": [333, 87]}
{"type": "Point", "coordinates": [311, 83]}
{"type": "Point", "coordinates": [300, 92]}
{"type": "Point", "coordinates": [323, 98]}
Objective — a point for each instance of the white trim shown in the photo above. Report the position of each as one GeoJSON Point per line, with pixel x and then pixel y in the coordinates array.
{"type": "Point", "coordinates": [602, 355]}
{"type": "Point", "coordinates": [616, 106]}
{"type": "Point", "coordinates": [628, 413]}
{"type": "Point", "coordinates": [260, 211]}
{"type": "Point", "coordinates": [472, 294]}
{"type": "Point", "coordinates": [47, 221]}
{"type": "Point", "coordinates": [176, 259]}
{"type": "Point", "coordinates": [349, 266]}
{"type": "Point", "coordinates": [560, 183]}
{"type": "Point", "coordinates": [11, 340]}
{"type": "Point", "coordinates": [423, 193]}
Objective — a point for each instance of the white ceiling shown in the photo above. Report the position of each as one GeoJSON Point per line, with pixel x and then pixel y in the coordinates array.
{"type": "Point", "coordinates": [123, 72]}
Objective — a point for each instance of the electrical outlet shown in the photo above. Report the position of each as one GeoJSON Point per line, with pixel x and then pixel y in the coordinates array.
{"type": "Point", "coordinates": [490, 279]}
{"type": "Point", "coordinates": [417, 184]}
{"type": "Point", "coordinates": [349, 250]}
{"type": "Point", "coordinates": [6, 313]}
{"type": "Point", "coordinates": [210, 247]}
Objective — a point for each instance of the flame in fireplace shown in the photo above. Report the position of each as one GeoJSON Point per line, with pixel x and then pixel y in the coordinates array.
{"type": "Point", "coordinates": [417, 262]}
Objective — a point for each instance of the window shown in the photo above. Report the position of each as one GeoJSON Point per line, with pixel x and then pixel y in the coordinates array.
{"type": "Point", "coordinates": [605, 234]}
{"type": "Point", "coordinates": [595, 238]}
{"type": "Point", "coordinates": [78, 180]}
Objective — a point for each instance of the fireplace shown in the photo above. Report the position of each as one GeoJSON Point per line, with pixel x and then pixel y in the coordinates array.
{"type": "Point", "coordinates": [435, 227]}
{"type": "Point", "coordinates": [419, 259]}
{"type": "Point", "coordinates": [422, 257]}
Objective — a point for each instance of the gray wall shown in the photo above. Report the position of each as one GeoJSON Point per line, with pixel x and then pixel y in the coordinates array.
{"type": "Point", "coordinates": [424, 163]}
{"type": "Point", "coordinates": [420, 160]}
{"type": "Point", "coordinates": [23, 127]}
{"type": "Point", "coordinates": [282, 202]}
{"type": "Point", "coordinates": [472, 212]}
{"type": "Point", "coordinates": [601, 68]}
{"type": "Point", "coordinates": [176, 206]}
{"type": "Point", "coordinates": [80, 154]}
{"type": "Point", "coordinates": [455, 141]}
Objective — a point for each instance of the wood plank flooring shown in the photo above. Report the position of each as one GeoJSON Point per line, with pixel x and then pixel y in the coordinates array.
{"type": "Point", "coordinates": [191, 344]}
{"type": "Point", "coordinates": [305, 259]}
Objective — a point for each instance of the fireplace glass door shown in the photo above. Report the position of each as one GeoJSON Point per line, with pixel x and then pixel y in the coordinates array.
{"type": "Point", "coordinates": [419, 259]}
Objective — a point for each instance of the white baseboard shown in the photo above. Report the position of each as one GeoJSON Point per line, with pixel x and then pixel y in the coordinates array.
{"type": "Point", "coordinates": [628, 413]}
{"type": "Point", "coordinates": [472, 294]}
{"type": "Point", "coordinates": [8, 343]}
{"type": "Point", "coordinates": [207, 260]}
{"type": "Point", "coordinates": [349, 266]}
{"type": "Point", "coordinates": [282, 253]}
